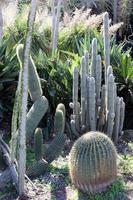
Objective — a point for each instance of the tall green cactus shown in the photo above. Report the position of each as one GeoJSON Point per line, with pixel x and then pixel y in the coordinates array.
{"type": "Point", "coordinates": [40, 106]}
{"type": "Point", "coordinates": [106, 39]}
{"type": "Point", "coordinates": [83, 92]}
{"type": "Point", "coordinates": [92, 162]}
{"type": "Point", "coordinates": [98, 110]}
{"type": "Point", "coordinates": [58, 142]}
{"type": "Point", "coordinates": [54, 149]}
{"type": "Point", "coordinates": [34, 116]}
{"type": "Point", "coordinates": [34, 84]}
{"type": "Point", "coordinates": [94, 57]}
{"type": "Point", "coordinates": [38, 144]}
{"type": "Point", "coordinates": [61, 107]}
{"type": "Point", "coordinates": [59, 122]}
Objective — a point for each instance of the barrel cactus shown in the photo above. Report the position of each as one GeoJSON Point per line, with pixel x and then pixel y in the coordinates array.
{"type": "Point", "coordinates": [92, 162]}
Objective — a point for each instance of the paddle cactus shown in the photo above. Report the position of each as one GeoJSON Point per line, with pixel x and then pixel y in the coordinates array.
{"type": "Point", "coordinates": [92, 162]}
{"type": "Point", "coordinates": [97, 109]}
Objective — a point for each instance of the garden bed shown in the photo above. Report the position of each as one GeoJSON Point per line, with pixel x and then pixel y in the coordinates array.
{"type": "Point", "coordinates": [55, 184]}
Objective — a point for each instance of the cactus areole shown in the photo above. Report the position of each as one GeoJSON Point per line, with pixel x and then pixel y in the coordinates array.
{"type": "Point", "coordinates": [92, 162]}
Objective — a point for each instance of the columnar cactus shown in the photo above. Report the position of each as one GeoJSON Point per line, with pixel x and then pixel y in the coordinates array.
{"type": "Point", "coordinates": [83, 91]}
{"type": "Point", "coordinates": [40, 106]}
{"type": "Point", "coordinates": [59, 122]}
{"type": "Point", "coordinates": [92, 162]}
{"type": "Point", "coordinates": [54, 149]}
{"type": "Point", "coordinates": [34, 115]}
{"type": "Point", "coordinates": [94, 57]}
{"type": "Point", "coordinates": [106, 42]}
{"type": "Point", "coordinates": [98, 110]}
{"type": "Point", "coordinates": [58, 142]}
{"type": "Point", "coordinates": [38, 144]}
{"type": "Point", "coordinates": [34, 84]}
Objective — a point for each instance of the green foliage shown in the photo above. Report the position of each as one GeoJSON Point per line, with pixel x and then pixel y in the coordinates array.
{"type": "Point", "coordinates": [54, 70]}
{"type": "Point", "coordinates": [123, 69]}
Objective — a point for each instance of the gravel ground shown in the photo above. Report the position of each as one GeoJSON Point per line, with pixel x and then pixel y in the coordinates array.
{"type": "Point", "coordinates": [55, 183]}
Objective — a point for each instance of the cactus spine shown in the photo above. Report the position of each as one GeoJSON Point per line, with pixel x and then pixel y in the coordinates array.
{"type": "Point", "coordinates": [98, 102]}
{"type": "Point", "coordinates": [92, 162]}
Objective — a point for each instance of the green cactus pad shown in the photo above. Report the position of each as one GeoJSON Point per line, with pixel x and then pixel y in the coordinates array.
{"type": "Point", "coordinates": [35, 89]}
{"type": "Point", "coordinates": [35, 114]}
{"type": "Point", "coordinates": [92, 162]}
{"type": "Point", "coordinates": [38, 144]}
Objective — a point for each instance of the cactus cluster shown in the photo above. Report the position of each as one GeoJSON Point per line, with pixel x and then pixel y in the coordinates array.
{"type": "Point", "coordinates": [92, 162]}
{"type": "Point", "coordinates": [99, 108]}
{"type": "Point", "coordinates": [40, 105]}
{"type": "Point", "coordinates": [43, 155]}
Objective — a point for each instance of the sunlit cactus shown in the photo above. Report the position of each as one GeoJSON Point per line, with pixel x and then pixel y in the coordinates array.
{"type": "Point", "coordinates": [96, 108]}
{"type": "Point", "coordinates": [92, 162]}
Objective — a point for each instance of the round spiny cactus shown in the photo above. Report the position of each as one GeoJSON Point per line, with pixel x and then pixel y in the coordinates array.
{"type": "Point", "coordinates": [92, 162]}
